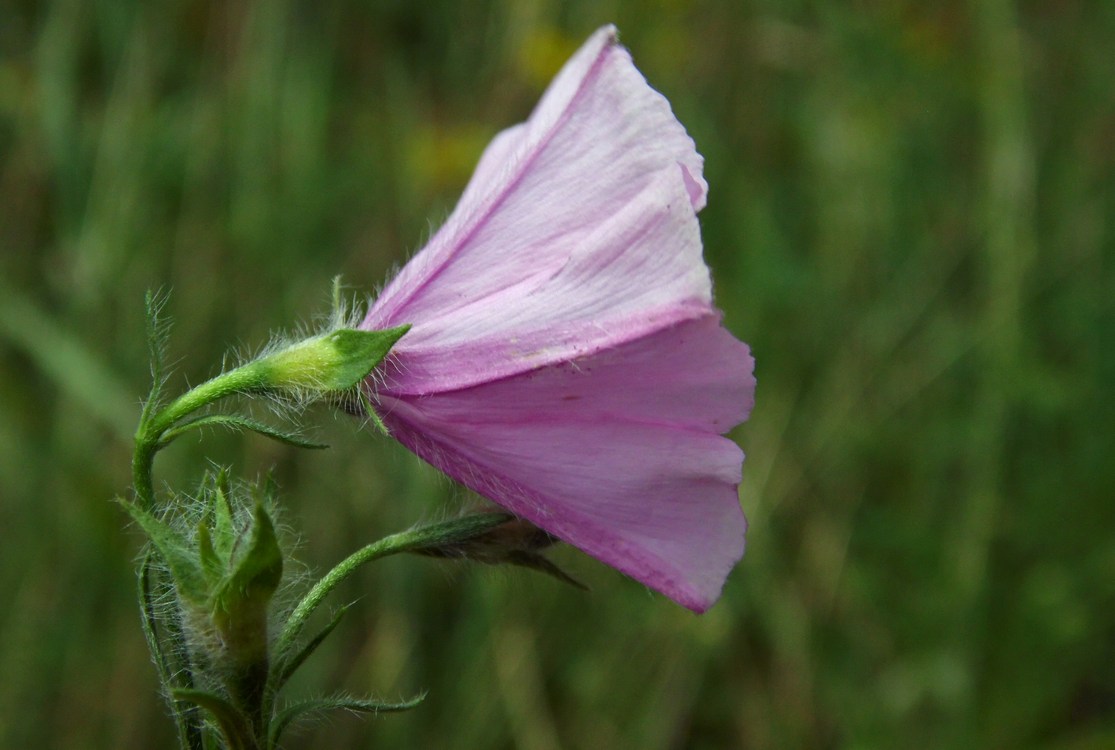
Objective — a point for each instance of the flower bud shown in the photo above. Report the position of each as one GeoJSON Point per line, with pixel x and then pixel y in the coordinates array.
{"type": "Point", "coordinates": [330, 362]}
{"type": "Point", "coordinates": [513, 542]}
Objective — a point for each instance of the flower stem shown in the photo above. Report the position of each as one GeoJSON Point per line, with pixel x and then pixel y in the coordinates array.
{"type": "Point", "coordinates": [434, 535]}
{"type": "Point", "coordinates": [243, 379]}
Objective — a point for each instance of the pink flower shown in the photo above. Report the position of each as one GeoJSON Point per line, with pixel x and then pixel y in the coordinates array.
{"type": "Point", "coordinates": [566, 360]}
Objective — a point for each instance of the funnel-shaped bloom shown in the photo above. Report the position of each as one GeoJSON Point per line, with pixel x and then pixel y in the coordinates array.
{"type": "Point", "coordinates": [565, 359]}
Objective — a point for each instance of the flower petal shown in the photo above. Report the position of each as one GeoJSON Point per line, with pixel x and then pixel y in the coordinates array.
{"type": "Point", "coordinates": [615, 453]}
{"type": "Point", "coordinates": [577, 233]}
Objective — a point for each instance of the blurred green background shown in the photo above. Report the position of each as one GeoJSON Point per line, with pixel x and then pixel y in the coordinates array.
{"type": "Point", "coordinates": [910, 220]}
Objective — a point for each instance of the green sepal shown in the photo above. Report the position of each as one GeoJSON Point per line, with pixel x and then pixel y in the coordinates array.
{"type": "Point", "coordinates": [360, 352]}
{"type": "Point", "coordinates": [374, 417]}
{"type": "Point", "coordinates": [343, 703]}
{"type": "Point", "coordinates": [175, 550]}
{"type": "Point", "coordinates": [270, 490]}
{"type": "Point", "coordinates": [332, 362]}
{"type": "Point", "coordinates": [234, 727]}
{"type": "Point", "coordinates": [212, 566]}
{"type": "Point", "coordinates": [225, 534]}
{"type": "Point", "coordinates": [541, 564]}
{"type": "Point", "coordinates": [236, 422]}
{"type": "Point", "coordinates": [241, 600]}
{"type": "Point", "coordinates": [511, 541]}
{"type": "Point", "coordinates": [260, 568]}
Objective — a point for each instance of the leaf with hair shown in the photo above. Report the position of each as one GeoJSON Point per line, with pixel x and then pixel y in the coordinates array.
{"type": "Point", "coordinates": [237, 422]}
{"type": "Point", "coordinates": [187, 720]}
{"type": "Point", "coordinates": [344, 703]}
{"type": "Point", "coordinates": [287, 664]}
{"type": "Point", "coordinates": [174, 549]}
{"type": "Point", "coordinates": [158, 337]}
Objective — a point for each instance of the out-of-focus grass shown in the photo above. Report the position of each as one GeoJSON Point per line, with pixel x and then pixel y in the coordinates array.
{"type": "Point", "coordinates": [909, 221]}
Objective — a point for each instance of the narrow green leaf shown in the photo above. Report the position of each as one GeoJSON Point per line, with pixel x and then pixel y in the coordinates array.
{"type": "Point", "coordinates": [287, 664]}
{"type": "Point", "coordinates": [171, 659]}
{"type": "Point", "coordinates": [234, 726]}
{"type": "Point", "coordinates": [337, 703]}
{"type": "Point", "coordinates": [158, 336]}
{"type": "Point", "coordinates": [150, 621]}
{"type": "Point", "coordinates": [189, 728]}
{"type": "Point", "coordinates": [175, 550]}
{"type": "Point", "coordinates": [236, 422]}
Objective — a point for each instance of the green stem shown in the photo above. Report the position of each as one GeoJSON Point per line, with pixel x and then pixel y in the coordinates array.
{"type": "Point", "coordinates": [433, 535]}
{"type": "Point", "coordinates": [286, 658]}
{"type": "Point", "coordinates": [142, 460]}
{"type": "Point", "coordinates": [243, 379]}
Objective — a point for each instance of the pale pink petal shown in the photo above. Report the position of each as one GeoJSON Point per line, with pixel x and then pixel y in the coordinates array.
{"type": "Point", "coordinates": [615, 453]}
{"type": "Point", "coordinates": [577, 233]}
{"type": "Point", "coordinates": [565, 359]}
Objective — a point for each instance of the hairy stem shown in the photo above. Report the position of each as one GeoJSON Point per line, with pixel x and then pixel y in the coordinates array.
{"type": "Point", "coordinates": [405, 541]}
{"type": "Point", "coordinates": [243, 379]}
